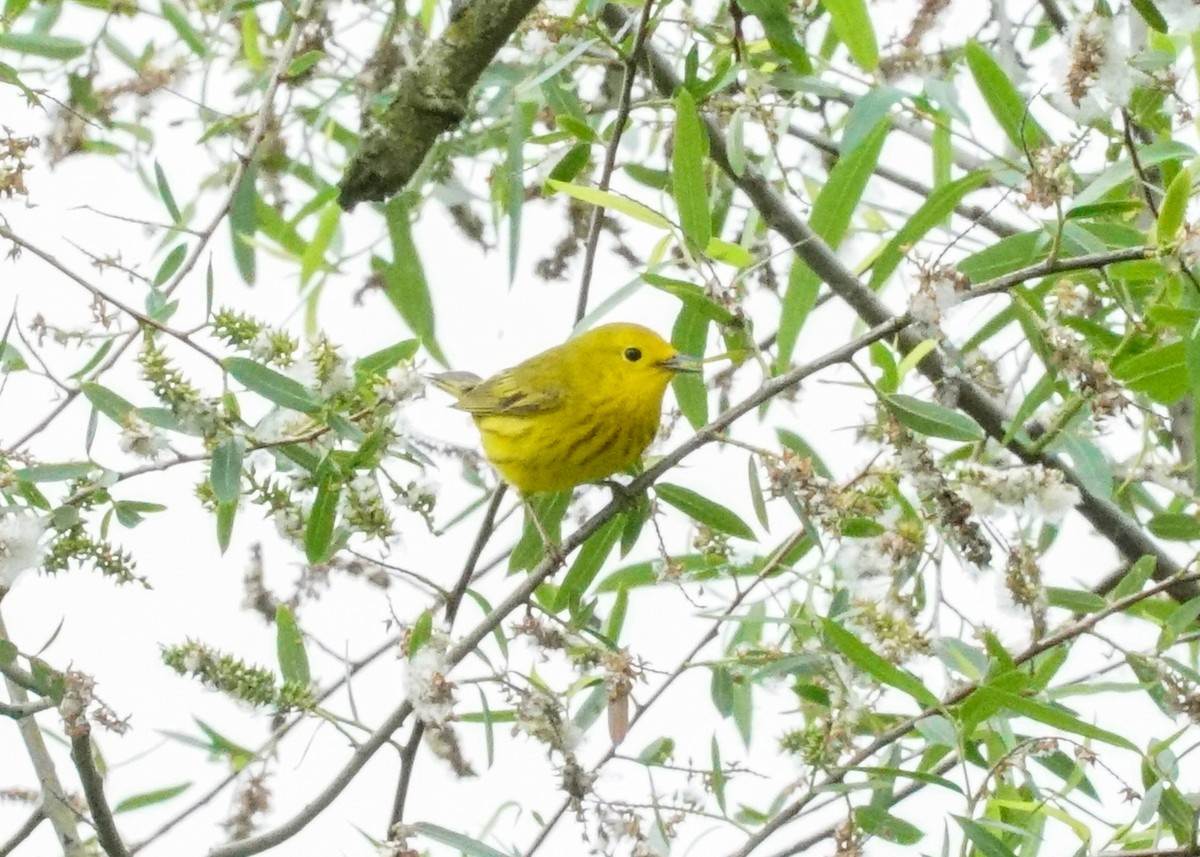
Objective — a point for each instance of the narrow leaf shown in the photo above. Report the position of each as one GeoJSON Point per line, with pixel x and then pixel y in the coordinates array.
{"type": "Point", "coordinates": [289, 646]}
{"type": "Point", "coordinates": [272, 385]}
{"type": "Point", "coordinates": [862, 656]}
{"type": "Point", "coordinates": [933, 420]}
{"type": "Point", "coordinates": [687, 171]}
{"type": "Point", "coordinates": [704, 511]}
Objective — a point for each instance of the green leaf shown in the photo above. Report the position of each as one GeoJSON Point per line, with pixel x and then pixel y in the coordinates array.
{"type": "Point", "coordinates": [689, 335]}
{"type": "Point", "coordinates": [830, 218]}
{"type": "Point", "coordinates": [272, 385]}
{"type": "Point", "coordinates": [987, 844]}
{"type": "Point", "coordinates": [588, 562]}
{"type": "Point", "coordinates": [691, 295]}
{"type": "Point", "coordinates": [42, 45]}
{"type": "Point", "coordinates": [104, 400]}
{"type": "Point", "coordinates": [853, 27]}
{"type": "Point", "coordinates": [1175, 526]}
{"type": "Point", "coordinates": [933, 420]}
{"type": "Point", "coordinates": [1150, 14]}
{"type": "Point", "coordinates": [289, 648]}
{"type": "Point", "coordinates": [1174, 207]}
{"type": "Point", "coordinates": [729, 253]}
{"type": "Point", "coordinates": [226, 514]}
{"type": "Point", "coordinates": [313, 259]}
{"type": "Point", "coordinates": [776, 20]}
{"type": "Point", "coordinates": [243, 223]}
{"type": "Point", "coordinates": [150, 798]}
{"type": "Point", "coordinates": [1008, 106]}
{"type": "Point", "coordinates": [304, 62]}
{"type": "Point", "coordinates": [550, 509]}
{"type": "Point", "coordinates": [164, 192]}
{"type": "Point", "coordinates": [56, 472]}
{"type": "Point", "coordinates": [657, 751]}
{"type": "Point", "coordinates": [687, 171]}
{"type": "Point", "coordinates": [877, 821]}
{"type": "Point", "coordinates": [572, 163]}
{"type": "Point", "coordinates": [1124, 171]}
{"type": "Point", "coordinates": [422, 630]}
{"type": "Point", "coordinates": [870, 108]}
{"type": "Point", "coordinates": [318, 535]}
{"type": "Point", "coordinates": [1134, 579]}
{"type": "Point", "coordinates": [465, 844]}
{"type": "Point", "coordinates": [1161, 373]}
{"type": "Point", "coordinates": [1057, 718]}
{"type": "Point", "coordinates": [862, 656]}
{"type": "Point", "coordinates": [606, 199]}
{"type": "Point", "coordinates": [1075, 600]}
{"type": "Point", "coordinates": [170, 264]}
{"type": "Point", "coordinates": [179, 22]}
{"type": "Point", "coordinates": [933, 211]}
{"type": "Point", "coordinates": [379, 362]}
{"type": "Point", "coordinates": [226, 473]}
{"type": "Point", "coordinates": [756, 493]}
{"type": "Point", "coordinates": [1005, 256]}
{"type": "Point", "coordinates": [1180, 620]}
{"type": "Point", "coordinates": [702, 510]}
{"type": "Point", "coordinates": [404, 279]}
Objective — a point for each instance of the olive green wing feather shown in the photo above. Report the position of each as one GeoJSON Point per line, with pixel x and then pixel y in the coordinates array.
{"type": "Point", "coordinates": [504, 393]}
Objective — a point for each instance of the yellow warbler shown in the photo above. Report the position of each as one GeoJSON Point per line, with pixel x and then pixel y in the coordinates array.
{"type": "Point", "coordinates": [576, 413]}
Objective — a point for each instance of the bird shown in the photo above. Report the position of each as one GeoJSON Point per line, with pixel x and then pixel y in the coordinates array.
{"type": "Point", "coordinates": [573, 414]}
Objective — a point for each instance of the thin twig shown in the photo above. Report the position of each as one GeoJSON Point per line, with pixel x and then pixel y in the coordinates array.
{"type": "Point", "coordinates": [610, 158]}
{"type": "Point", "coordinates": [98, 293]}
{"type": "Point", "coordinates": [23, 832]}
{"type": "Point", "coordinates": [93, 790]}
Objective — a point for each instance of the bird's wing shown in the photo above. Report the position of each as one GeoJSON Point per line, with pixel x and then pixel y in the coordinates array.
{"type": "Point", "coordinates": [504, 394]}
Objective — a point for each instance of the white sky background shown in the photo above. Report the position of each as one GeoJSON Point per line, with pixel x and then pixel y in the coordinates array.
{"type": "Point", "coordinates": [114, 633]}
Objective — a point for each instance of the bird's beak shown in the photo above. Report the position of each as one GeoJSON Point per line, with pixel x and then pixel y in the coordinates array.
{"type": "Point", "coordinates": [682, 363]}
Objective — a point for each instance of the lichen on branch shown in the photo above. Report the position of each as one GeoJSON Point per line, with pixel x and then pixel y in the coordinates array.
{"type": "Point", "coordinates": [431, 98]}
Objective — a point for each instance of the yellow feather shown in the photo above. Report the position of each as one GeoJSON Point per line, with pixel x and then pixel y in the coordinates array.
{"type": "Point", "coordinates": [576, 413]}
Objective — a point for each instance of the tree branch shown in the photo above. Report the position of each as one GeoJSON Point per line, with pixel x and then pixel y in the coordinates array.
{"type": "Point", "coordinates": [23, 832]}
{"type": "Point", "coordinates": [610, 158]}
{"type": "Point", "coordinates": [54, 804]}
{"type": "Point", "coordinates": [93, 790]}
{"type": "Point", "coordinates": [408, 756]}
{"type": "Point", "coordinates": [431, 97]}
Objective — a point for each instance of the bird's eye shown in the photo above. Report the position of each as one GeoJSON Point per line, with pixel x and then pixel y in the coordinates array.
{"type": "Point", "coordinates": [633, 355]}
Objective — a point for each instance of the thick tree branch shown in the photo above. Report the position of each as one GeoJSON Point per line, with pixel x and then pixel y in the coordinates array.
{"type": "Point", "coordinates": [1109, 521]}
{"type": "Point", "coordinates": [93, 790]}
{"type": "Point", "coordinates": [54, 803]}
{"type": "Point", "coordinates": [431, 98]}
